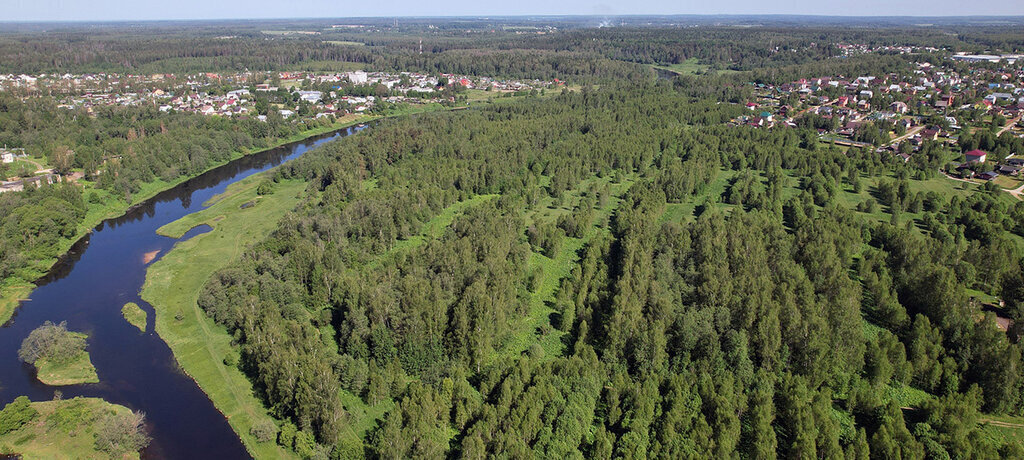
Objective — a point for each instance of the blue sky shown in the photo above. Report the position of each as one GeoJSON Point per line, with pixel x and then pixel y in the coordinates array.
{"type": "Point", "coordinates": [93, 10]}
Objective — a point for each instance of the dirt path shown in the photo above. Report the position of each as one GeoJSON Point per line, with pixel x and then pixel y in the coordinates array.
{"type": "Point", "coordinates": [907, 135]}
{"type": "Point", "coordinates": [1009, 124]}
{"type": "Point", "coordinates": [39, 167]}
{"type": "Point", "coordinates": [1000, 423]}
{"type": "Point", "coordinates": [1017, 191]}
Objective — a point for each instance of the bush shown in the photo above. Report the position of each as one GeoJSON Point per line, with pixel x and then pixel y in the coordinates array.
{"type": "Point", "coordinates": [50, 341]}
{"type": "Point", "coordinates": [118, 434]}
{"type": "Point", "coordinates": [16, 414]}
{"type": "Point", "coordinates": [265, 188]}
{"type": "Point", "coordinates": [264, 430]}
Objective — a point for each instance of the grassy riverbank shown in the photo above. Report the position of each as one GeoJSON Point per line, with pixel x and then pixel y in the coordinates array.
{"type": "Point", "coordinates": [63, 429]}
{"type": "Point", "coordinates": [14, 290]}
{"type": "Point", "coordinates": [201, 347]}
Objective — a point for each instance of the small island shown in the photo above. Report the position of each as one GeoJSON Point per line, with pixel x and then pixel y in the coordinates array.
{"type": "Point", "coordinates": [59, 355]}
{"type": "Point", "coordinates": [71, 429]}
{"type": "Point", "coordinates": [135, 315]}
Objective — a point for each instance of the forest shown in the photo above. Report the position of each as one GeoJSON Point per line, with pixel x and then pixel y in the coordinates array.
{"type": "Point", "coordinates": [758, 318]}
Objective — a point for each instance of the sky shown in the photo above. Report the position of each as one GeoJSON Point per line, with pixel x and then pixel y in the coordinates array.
{"type": "Point", "coordinates": [110, 10]}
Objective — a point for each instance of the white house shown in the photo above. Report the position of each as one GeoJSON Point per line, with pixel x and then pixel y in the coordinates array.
{"type": "Point", "coordinates": [310, 96]}
{"type": "Point", "coordinates": [358, 77]}
{"type": "Point", "coordinates": [7, 157]}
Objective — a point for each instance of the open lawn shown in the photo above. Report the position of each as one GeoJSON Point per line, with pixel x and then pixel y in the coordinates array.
{"type": "Point", "coordinates": [74, 371]}
{"type": "Point", "coordinates": [135, 315]}
{"type": "Point", "coordinates": [173, 284]}
{"type": "Point", "coordinates": [690, 66]}
{"type": "Point", "coordinates": [62, 430]}
{"type": "Point", "coordinates": [10, 296]}
{"type": "Point", "coordinates": [1007, 182]}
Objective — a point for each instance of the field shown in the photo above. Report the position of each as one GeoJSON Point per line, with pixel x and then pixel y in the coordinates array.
{"type": "Point", "coordinates": [173, 284]}
{"type": "Point", "coordinates": [73, 372]}
{"type": "Point", "coordinates": [690, 66]}
{"type": "Point", "coordinates": [134, 315]}
{"type": "Point", "coordinates": [63, 430]}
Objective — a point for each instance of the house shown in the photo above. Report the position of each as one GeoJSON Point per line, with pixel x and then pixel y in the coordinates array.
{"type": "Point", "coordinates": [310, 96]}
{"type": "Point", "coordinates": [7, 157]}
{"type": "Point", "coordinates": [976, 156]}
{"type": "Point", "coordinates": [1009, 170]}
{"type": "Point", "coordinates": [990, 175]}
{"type": "Point", "coordinates": [1015, 161]}
{"type": "Point", "coordinates": [898, 107]}
{"type": "Point", "coordinates": [931, 135]}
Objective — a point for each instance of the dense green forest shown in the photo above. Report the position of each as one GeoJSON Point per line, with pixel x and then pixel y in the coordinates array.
{"type": "Point", "coordinates": [573, 51]}
{"type": "Point", "coordinates": [755, 318]}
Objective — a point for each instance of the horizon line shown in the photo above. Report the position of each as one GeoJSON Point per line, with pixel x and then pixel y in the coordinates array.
{"type": "Point", "coordinates": [1001, 18]}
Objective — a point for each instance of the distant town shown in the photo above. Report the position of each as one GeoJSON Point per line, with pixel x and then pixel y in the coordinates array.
{"type": "Point", "coordinates": [898, 113]}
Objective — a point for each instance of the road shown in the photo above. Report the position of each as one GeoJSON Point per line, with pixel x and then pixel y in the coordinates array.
{"type": "Point", "coordinates": [1009, 124]}
{"type": "Point", "coordinates": [909, 134]}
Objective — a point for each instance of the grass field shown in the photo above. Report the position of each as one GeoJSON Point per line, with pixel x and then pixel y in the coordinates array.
{"type": "Point", "coordinates": [63, 430]}
{"type": "Point", "coordinates": [690, 66]}
{"type": "Point", "coordinates": [344, 43]}
{"type": "Point", "coordinates": [1003, 428]}
{"type": "Point", "coordinates": [173, 284]}
{"type": "Point", "coordinates": [74, 371]}
{"type": "Point", "coordinates": [134, 315]}
{"type": "Point", "coordinates": [10, 296]}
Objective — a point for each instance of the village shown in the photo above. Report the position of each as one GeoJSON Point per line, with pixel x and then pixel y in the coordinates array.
{"type": "Point", "coordinates": [294, 97]}
{"type": "Point", "coordinates": [239, 95]}
{"type": "Point", "coordinates": [898, 113]}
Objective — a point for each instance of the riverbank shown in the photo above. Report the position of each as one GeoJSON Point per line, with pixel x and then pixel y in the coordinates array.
{"type": "Point", "coordinates": [16, 291]}
{"type": "Point", "coordinates": [201, 347]}
{"type": "Point", "coordinates": [63, 429]}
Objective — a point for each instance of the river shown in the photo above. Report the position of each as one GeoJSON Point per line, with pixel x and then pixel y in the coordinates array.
{"type": "Point", "coordinates": [88, 287]}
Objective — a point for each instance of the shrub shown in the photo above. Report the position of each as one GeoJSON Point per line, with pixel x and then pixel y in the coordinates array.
{"type": "Point", "coordinates": [50, 341]}
{"type": "Point", "coordinates": [265, 188]}
{"type": "Point", "coordinates": [16, 414]}
{"type": "Point", "coordinates": [117, 434]}
{"type": "Point", "coordinates": [263, 430]}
